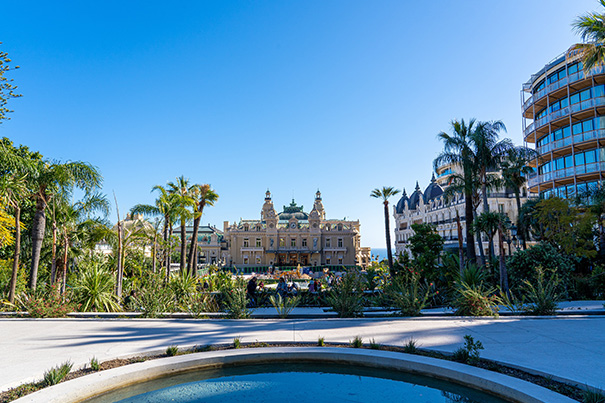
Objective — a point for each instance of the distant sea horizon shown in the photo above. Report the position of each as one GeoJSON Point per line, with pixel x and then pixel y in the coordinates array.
{"type": "Point", "coordinates": [381, 252]}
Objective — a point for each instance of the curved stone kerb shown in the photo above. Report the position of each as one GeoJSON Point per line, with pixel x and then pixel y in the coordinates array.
{"type": "Point", "coordinates": [88, 386]}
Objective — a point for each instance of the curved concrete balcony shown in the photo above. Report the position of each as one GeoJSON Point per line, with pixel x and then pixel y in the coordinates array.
{"type": "Point", "coordinates": [563, 112]}
{"type": "Point", "coordinates": [536, 179]}
{"type": "Point", "coordinates": [572, 78]}
{"type": "Point", "coordinates": [575, 139]}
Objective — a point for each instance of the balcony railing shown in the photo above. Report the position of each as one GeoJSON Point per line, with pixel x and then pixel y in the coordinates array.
{"type": "Point", "coordinates": [580, 106]}
{"type": "Point", "coordinates": [558, 84]}
{"type": "Point", "coordinates": [536, 179]}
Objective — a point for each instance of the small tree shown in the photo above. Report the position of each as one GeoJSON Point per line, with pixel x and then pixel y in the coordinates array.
{"type": "Point", "coordinates": [426, 246]}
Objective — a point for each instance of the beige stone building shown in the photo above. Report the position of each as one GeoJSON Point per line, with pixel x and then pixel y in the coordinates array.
{"type": "Point", "coordinates": [431, 207]}
{"type": "Point", "coordinates": [294, 237]}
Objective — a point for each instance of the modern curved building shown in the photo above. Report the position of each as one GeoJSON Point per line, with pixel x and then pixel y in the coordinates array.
{"type": "Point", "coordinates": [564, 118]}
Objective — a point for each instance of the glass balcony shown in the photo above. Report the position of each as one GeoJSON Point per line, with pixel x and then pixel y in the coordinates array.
{"type": "Point", "coordinates": [535, 179]}
{"type": "Point", "coordinates": [580, 106]}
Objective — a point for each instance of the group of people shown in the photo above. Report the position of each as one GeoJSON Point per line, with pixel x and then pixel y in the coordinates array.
{"type": "Point", "coordinates": [284, 289]}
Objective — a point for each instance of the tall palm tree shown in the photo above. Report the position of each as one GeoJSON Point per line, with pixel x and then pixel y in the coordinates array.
{"type": "Point", "coordinates": [458, 151]}
{"type": "Point", "coordinates": [591, 27]}
{"type": "Point", "coordinates": [489, 152]}
{"type": "Point", "coordinates": [384, 194]}
{"type": "Point", "coordinates": [203, 196]}
{"type": "Point", "coordinates": [51, 178]}
{"type": "Point", "coordinates": [181, 189]}
{"type": "Point", "coordinates": [515, 170]}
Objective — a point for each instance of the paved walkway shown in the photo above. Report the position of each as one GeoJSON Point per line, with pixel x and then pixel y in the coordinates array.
{"type": "Point", "coordinates": [572, 348]}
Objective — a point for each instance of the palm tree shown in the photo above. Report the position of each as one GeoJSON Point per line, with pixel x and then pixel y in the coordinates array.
{"type": "Point", "coordinates": [13, 189]}
{"type": "Point", "coordinates": [182, 191]}
{"type": "Point", "coordinates": [203, 196]}
{"type": "Point", "coordinates": [457, 150]}
{"type": "Point", "coordinates": [487, 222]}
{"type": "Point", "coordinates": [515, 170]}
{"type": "Point", "coordinates": [489, 152]}
{"type": "Point", "coordinates": [165, 206]}
{"type": "Point", "coordinates": [384, 194]}
{"type": "Point", "coordinates": [49, 179]}
{"type": "Point", "coordinates": [591, 27]}
{"type": "Point", "coordinates": [18, 165]}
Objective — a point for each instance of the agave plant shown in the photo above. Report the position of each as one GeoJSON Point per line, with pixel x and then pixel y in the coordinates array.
{"type": "Point", "coordinates": [284, 306]}
{"type": "Point", "coordinates": [95, 290]}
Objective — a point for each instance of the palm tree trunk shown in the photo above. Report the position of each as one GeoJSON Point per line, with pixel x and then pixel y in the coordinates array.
{"type": "Point", "coordinates": [481, 252]}
{"type": "Point", "coordinates": [154, 250]}
{"type": "Point", "coordinates": [165, 248]}
{"type": "Point", "coordinates": [470, 240]}
{"type": "Point", "coordinates": [388, 236]}
{"type": "Point", "coordinates": [460, 244]}
{"type": "Point", "coordinates": [503, 272]}
{"type": "Point", "coordinates": [521, 229]}
{"type": "Point", "coordinates": [53, 266]}
{"type": "Point", "coordinates": [169, 257]}
{"type": "Point", "coordinates": [183, 246]}
{"type": "Point", "coordinates": [486, 210]}
{"type": "Point", "coordinates": [191, 261]}
{"type": "Point", "coordinates": [38, 225]}
{"type": "Point", "coordinates": [65, 249]}
{"type": "Point", "coordinates": [119, 271]}
{"type": "Point", "coordinates": [13, 285]}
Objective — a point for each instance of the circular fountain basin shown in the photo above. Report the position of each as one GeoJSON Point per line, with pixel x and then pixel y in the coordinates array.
{"type": "Point", "coordinates": [252, 373]}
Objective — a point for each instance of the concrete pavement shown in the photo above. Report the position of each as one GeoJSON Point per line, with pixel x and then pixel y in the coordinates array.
{"type": "Point", "coordinates": [570, 348]}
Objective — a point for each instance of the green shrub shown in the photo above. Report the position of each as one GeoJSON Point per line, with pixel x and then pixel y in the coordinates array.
{"type": "Point", "coordinates": [472, 275]}
{"type": "Point", "coordinates": [56, 374]}
{"type": "Point", "coordinates": [182, 285]}
{"type": "Point", "coordinates": [94, 364]}
{"type": "Point", "coordinates": [346, 297]}
{"type": "Point", "coordinates": [475, 300]}
{"type": "Point", "coordinates": [374, 345]}
{"type": "Point", "coordinates": [592, 396]}
{"type": "Point", "coordinates": [321, 342]}
{"type": "Point", "coordinates": [199, 303]}
{"type": "Point", "coordinates": [237, 342]}
{"type": "Point", "coordinates": [408, 295]}
{"type": "Point", "coordinates": [94, 290]}
{"type": "Point", "coordinates": [469, 354]}
{"type": "Point", "coordinates": [47, 303]}
{"type": "Point", "coordinates": [542, 295]}
{"type": "Point", "coordinates": [152, 297]}
{"type": "Point", "coordinates": [512, 303]}
{"type": "Point", "coordinates": [357, 342]}
{"type": "Point", "coordinates": [411, 346]}
{"type": "Point", "coordinates": [523, 264]}
{"type": "Point", "coordinates": [171, 351]}
{"type": "Point", "coordinates": [235, 301]}
{"type": "Point", "coordinates": [284, 306]}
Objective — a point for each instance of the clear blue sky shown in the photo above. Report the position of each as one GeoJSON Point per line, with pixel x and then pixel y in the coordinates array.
{"type": "Point", "coordinates": [344, 96]}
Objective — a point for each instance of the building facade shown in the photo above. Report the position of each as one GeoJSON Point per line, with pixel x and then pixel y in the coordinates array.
{"type": "Point", "coordinates": [564, 118]}
{"type": "Point", "coordinates": [294, 237]}
{"type": "Point", "coordinates": [431, 207]}
{"type": "Point", "coordinates": [211, 247]}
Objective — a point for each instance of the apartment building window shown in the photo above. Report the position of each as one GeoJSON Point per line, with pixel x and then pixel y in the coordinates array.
{"type": "Point", "coordinates": [327, 242]}
{"type": "Point", "coordinates": [258, 242]}
{"type": "Point", "coordinates": [500, 208]}
{"type": "Point", "coordinates": [246, 242]}
{"type": "Point", "coordinates": [293, 242]}
{"type": "Point", "coordinates": [282, 242]}
{"type": "Point", "coordinates": [340, 242]}
{"type": "Point", "coordinates": [304, 242]}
